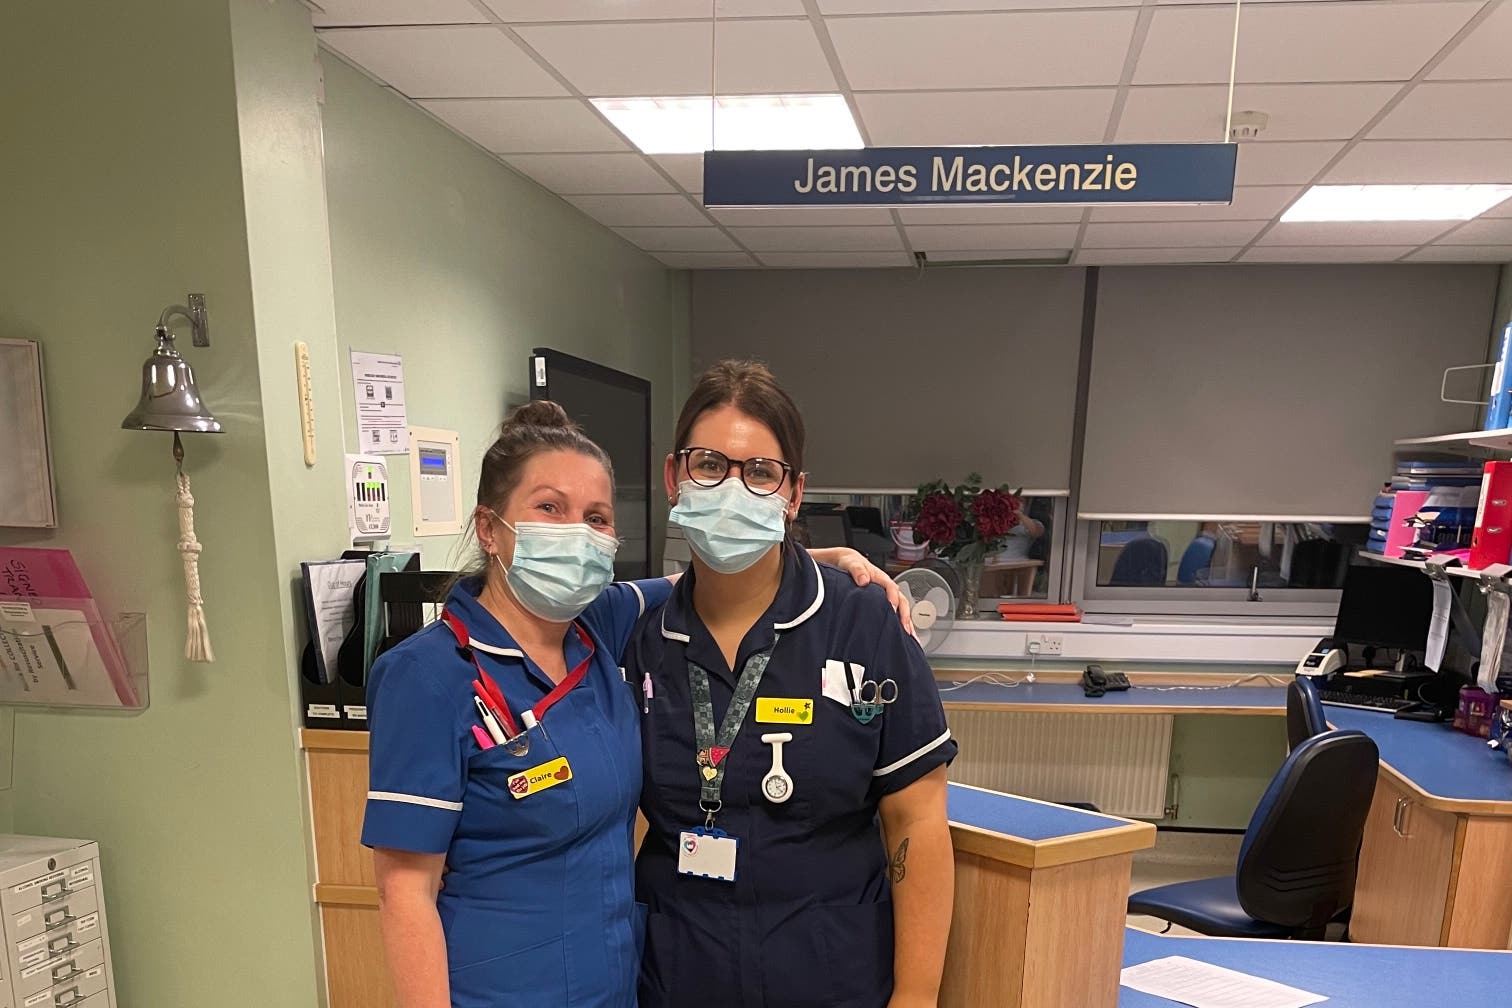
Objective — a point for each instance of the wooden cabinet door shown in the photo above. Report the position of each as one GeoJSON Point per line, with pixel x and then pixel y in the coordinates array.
{"type": "Point", "coordinates": [356, 972]}
{"type": "Point", "coordinates": [1406, 863]}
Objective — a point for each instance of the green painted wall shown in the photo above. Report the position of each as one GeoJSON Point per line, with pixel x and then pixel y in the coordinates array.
{"type": "Point", "coordinates": [449, 258]}
{"type": "Point", "coordinates": [123, 191]}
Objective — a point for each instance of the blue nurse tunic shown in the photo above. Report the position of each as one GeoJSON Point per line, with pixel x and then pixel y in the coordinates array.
{"type": "Point", "coordinates": [537, 906]}
{"type": "Point", "coordinates": [808, 920]}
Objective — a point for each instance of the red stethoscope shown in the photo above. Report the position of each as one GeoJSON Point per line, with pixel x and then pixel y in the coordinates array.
{"type": "Point", "coordinates": [516, 739]}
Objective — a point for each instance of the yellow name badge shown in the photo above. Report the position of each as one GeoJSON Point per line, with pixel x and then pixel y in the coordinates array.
{"type": "Point", "coordinates": [784, 710]}
{"type": "Point", "coordinates": [540, 778]}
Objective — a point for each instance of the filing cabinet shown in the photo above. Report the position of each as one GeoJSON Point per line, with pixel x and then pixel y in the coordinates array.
{"type": "Point", "coordinates": [52, 924]}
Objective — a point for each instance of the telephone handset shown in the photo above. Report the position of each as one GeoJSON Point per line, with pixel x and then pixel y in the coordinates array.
{"type": "Point", "coordinates": [1095, 682]}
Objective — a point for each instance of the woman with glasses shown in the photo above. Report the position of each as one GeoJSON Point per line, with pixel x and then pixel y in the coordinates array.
{"type": "Point", "coordinates": [794, 746]}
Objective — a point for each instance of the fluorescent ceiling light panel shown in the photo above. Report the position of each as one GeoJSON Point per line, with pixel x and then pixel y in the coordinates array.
{"type": "Point", "coordinates": [751, 122]}
{"type": "Point", "coordinates": [1396, 202]}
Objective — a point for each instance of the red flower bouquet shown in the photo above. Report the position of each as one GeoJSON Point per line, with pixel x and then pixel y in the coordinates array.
{"type": "Point", "coordinates": [964, 522]}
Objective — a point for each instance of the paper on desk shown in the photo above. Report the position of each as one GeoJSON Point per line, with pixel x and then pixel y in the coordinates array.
{"type": "Point", "coordinates": [1204, 985]}
{"type": "Point", "coordinates": [1438, 628]}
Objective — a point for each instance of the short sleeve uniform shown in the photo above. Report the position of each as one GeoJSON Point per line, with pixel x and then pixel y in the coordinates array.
{"type": "Point", "coordinates": [808, 920]}
{"type": "Point", "coordinates": [537, 905]}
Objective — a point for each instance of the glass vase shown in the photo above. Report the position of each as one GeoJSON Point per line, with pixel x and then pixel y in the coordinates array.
{"type": "Point", "coordinates": [971, 586]}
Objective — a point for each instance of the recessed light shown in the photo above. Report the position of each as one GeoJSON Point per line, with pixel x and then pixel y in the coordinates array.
{"type": "Point", "coordinates": [750, 122]}
{"type": "Point", "coordinates": [1395, 202]}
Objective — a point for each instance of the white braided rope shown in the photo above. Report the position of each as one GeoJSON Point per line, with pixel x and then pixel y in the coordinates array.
{"type": "Point", "coordinates": [197, 645]}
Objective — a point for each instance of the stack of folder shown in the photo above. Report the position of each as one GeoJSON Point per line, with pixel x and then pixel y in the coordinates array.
{"type": "Point", "coordinates": [1039, 613]}
{"type": "Point", "coordinates": [1408, 493]}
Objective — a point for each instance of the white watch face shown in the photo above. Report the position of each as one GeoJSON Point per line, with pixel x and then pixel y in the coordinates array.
{"type": "Point", "coordinates": [776, 787]}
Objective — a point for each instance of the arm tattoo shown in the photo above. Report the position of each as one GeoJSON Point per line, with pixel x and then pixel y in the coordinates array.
{"type": "Point", "coordinates": [899, 862]}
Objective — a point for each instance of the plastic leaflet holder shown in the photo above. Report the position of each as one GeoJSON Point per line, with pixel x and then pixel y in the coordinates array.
{"type": "Point", "coordinates": [57, 653]}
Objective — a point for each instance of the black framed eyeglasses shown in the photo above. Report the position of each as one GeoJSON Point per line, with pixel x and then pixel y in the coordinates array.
{"type": "Point", "coordinates": [709, 468]}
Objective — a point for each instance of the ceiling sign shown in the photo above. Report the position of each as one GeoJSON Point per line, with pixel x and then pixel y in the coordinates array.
{"type": "Point", "coordinates": [935, 176]}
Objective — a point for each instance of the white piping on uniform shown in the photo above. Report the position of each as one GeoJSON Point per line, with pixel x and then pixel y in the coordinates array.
{"type": "Point", "coordinates": [409, 799]}
{"type": "Point", "coordinates": [913, 756]}
{"type": "Point", "coordinates": [671, 634]}
{"type": "Point", "coordinates": [636, 588]}
{"type": "Point", "coordinates": [506, 652]}
{"type": "Point", "coordinates": [813, 607]}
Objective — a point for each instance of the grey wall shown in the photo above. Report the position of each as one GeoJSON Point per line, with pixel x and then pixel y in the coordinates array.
{"type": "Point", "coordinates": [1272, 390]}
{"type": "Point", "coordinates": [905, 377]}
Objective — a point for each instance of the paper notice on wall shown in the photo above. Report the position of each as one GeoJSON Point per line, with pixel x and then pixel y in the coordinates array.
{"type": "Point", "coordinates": [1438, 627]}
{"type": "Point", "coordinates": [378, 383]}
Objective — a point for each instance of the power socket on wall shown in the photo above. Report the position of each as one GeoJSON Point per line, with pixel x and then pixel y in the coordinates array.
{"type": "Point", "coordinates": [1044, 644]}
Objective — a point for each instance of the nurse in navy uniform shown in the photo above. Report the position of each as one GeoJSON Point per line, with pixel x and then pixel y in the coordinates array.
{"type": "Point", "coordinates": [795, 748]}
{"type": "Point", "coordinates": [505, 747]}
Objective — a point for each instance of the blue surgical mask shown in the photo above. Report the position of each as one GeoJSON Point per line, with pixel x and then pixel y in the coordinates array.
{"type": "Point", "coordinates": [557, 569]}
{"type": "Point", "coordinates": [729, 527]}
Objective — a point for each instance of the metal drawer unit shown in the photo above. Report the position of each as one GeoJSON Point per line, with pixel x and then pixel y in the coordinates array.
{"type": "Point", "coordinates": [52, 925]}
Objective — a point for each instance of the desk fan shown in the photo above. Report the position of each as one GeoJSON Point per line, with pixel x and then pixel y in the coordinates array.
{"type": "Point", "coordinates": [933, 606]}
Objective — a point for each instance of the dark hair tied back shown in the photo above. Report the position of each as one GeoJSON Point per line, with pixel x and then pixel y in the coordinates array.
{"type": "Point", "coordinates": [538, 426]}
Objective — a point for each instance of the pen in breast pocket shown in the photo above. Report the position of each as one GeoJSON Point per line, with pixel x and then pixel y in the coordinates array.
{"type": "Point", "coordinates": [649, 693]}
{"type": "Point", "coordinates": [489, 721]}
{"type": "Point", "coordinates": [484, 742]}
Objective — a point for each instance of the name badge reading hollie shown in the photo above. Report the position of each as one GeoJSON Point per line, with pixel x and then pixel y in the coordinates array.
{"type": "Point", "coordinates": [784, 710]}
{"type": "Point", "coordinates": [707, 853]}
{"type": "Point", "coordinates": [540, 778]}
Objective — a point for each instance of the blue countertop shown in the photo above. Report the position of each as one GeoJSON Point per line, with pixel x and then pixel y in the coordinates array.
{"type": "Point", "coordinates": [1024, 818]}
{"type": "Point", "coordinates": [1352, 976]}
{"type": "Point", "coordinates": [1439, 760]}
{"type": "Point", "coordinates": [1271, 699]}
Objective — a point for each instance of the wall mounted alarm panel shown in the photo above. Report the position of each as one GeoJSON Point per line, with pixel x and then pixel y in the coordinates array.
{"type": "Point", "coordinates": [367, 498]}
{"type": "Point", "coordinates": [435, 481]}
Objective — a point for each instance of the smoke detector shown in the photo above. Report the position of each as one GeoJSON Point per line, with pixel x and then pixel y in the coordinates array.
{"type": "Point", "coordinates": [1247, 125]}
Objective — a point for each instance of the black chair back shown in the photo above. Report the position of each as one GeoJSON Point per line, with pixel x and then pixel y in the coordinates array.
{"type": "Point", "coordinates": [1298, 861]}
{"type": "Point", "coordinates": [1304, 712]}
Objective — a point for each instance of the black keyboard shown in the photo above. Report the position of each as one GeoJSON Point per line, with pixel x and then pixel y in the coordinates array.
{"type": "Point", "coordinates": [1341, 698]}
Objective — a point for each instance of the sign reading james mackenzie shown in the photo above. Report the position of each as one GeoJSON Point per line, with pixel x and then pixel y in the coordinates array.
{"type": "Point", "coordinates": [911, 176]}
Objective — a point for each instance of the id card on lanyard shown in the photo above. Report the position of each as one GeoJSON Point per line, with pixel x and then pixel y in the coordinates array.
{"type": "Point", "coordinates": [705, 851]}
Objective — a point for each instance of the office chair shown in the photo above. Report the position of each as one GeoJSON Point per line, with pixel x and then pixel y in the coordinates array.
{"type": "Point", "coordinates": [1196, 560]}
{"type": "Point", "coordinates": [1142, 561]}
{"type": "Point", "coordinates": [1304, 712]}
{"type": "Point", "coordinates": [1296, 869]}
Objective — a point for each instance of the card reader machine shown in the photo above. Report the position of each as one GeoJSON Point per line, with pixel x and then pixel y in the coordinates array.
{"type": "Point", "coordinates": [1325, 658]}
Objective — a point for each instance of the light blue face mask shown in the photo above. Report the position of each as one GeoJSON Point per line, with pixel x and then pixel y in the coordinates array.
{"type": "Point", "coordinates": [557, 570]}
{"type": "Point", "coordinates": [729, 527]}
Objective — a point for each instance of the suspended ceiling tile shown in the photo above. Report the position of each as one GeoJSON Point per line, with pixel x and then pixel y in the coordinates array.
{"type": "Point", "coordinates": [1405, 162]}
{"type": "Point", "coordinates": [1155, 256]}
{"type": "Point", "coordinates": [1186, 234]}
{"type": "Point", "coordinates": [706, 260]}
{"type": "Point", "coordinates": [1503, 209]}
{"type": "Point", "coordinates": [1300, 42]}
{"type": "Point", "coordinates": [466, 61]}
{"type": "Point", "coordinates": [678, 239]}
{"type": "Point", "coordinates": [641, 210]}
{"type": "Point", "coordinates": [1342, 233]}
{"type": "Point", "coordinates": [943, 118]}
{"type": "Point", "coordinates": [1025, 214]}
{"type": "Point", "coordinates": [1464, 253]}
{"type": "Point", "coordinates": [801, 216]}
{"type": "Point", "coordinates": [1482, 54]}
{"type": "Point", "coordinates": [525, 11]}
{"type": "Point", "coordinates": [994, 255]}
{"type": "Point", "coordinates": [527, 125]}
{"type": "Point", "coordinates": [655, 59]}
{"type": "Point", "coordinates": [1282, 163]}
{"type": "Point", "coordinates": [580, 174]}
{"type": "Point", "coordinates": [841, 7]}
{"type": "Point", "coordinates": [1482, 231]}
{"type": "Point", "coordinates": [1250, 203]}
{"type": "Point", "coordinates": [1452, 111]}
{"type": "Point", "coordinates": [1185, 114]}
{"type": "Point", "coordinates": [827, 239]}
{"type": "Point", "coordinates": [990, 237]}
{"type": "Point", "coordinates": [836, 260]}
{"type": "Point", "coordinates": [1325, 253]}
{"type": "Point", "coordinates": [356, 13]}
{"type": "Point", "coordinates": [1026, 49]}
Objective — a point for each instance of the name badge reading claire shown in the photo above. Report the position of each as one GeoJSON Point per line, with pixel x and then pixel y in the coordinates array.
{"type": "Point", "coordinates": [784, 710]}
{"type": "Point", "coordinates": [547, 775]}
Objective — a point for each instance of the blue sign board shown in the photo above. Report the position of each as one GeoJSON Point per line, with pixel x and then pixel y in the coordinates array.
{"type": "Point", "coordinates": [942, 176]}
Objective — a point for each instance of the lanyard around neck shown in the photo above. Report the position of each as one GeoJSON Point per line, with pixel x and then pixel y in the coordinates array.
{"type": "Point", "coordinates": [714, 747]}
{"type": "Point", "coordinates": [541, 706]}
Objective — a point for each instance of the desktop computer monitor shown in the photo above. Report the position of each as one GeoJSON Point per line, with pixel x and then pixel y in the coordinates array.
{"type": "Point", "coordinates": [1385, 607]}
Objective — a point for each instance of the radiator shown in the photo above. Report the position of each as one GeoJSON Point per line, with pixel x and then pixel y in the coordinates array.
{"type": "Point", "coordinates": [1119, 764]}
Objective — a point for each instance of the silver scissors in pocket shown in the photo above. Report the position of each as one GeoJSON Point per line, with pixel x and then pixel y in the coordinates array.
{"type": "Point", "coordinates": [870, 697]}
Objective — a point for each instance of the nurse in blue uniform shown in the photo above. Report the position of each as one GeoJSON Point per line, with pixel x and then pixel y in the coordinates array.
{"type": "Point", "coordinates": [505, 748]}
{"type": "Point", "coordinates": [794, 747]}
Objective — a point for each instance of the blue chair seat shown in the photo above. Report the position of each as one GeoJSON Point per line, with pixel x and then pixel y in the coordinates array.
{"type": "Point", "coordinates": [1210, 906]}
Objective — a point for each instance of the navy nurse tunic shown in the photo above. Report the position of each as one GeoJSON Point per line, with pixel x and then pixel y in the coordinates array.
{"type": "Point", "coordinates": [808, 920]}
{"type": "Point", "coordinates": [537, 905]}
